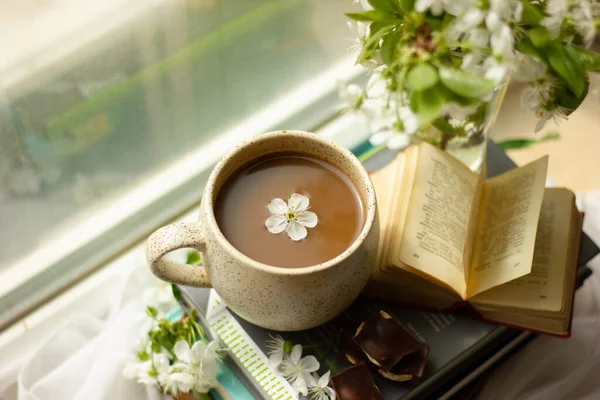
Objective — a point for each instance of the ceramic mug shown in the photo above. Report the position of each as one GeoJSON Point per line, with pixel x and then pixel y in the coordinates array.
{"type": "Point", "coordinates": [284, 299]}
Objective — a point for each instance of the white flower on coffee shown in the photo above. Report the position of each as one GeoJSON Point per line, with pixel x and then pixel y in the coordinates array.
{"type": "Point", "coordinates": [292, 217]}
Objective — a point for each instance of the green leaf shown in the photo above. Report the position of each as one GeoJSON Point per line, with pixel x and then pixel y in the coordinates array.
{"type": "Point", "coordinates": [193, 258]}
{"type": "Point", "coordinates": [389, 47]}
{"type": "Point", "coordinates": [407, 5]}
{"type": "Point", "coordinates": [378, 26]}
{"type": "Point", "coordinates": [525, 46]}
{"type": "Point", "coordinates": [566, 99]}
{"type": "Point", "coordinates": [391, 6]}
{"type": "Point", "coordinates": [443, 126]}
{"type": "Point", "coordinates": [447, 19]}
{"type": "Point", "coordinates": [151, 311]}
{"type": "Point", "coordinates": [589, 59]}
{"type": "Point", "coordinates": [421, 77]}
{"type": "Point", "coordinates": [176, 291]}
{"type": "Point", "coordinates": [427, 104]}
{"type": "Point", "coordinates": [434, 23]}
{"type": "Point", "coordinates": [372, 43]}
{"type": "Point", "coordinates": [567, 67]}
{"type": "Point", "coordinates": [531, 14]}
{"type": "Point", "coordinates": [372, 15]}
{"type": "Point", "coordinates": [512, 144]}
{"type": "Point", "coordinates": [450, 96]}
{"type": "Point", "coordinates": [539, 36]}
{"type": "Point", "coordinates": [464, 83]}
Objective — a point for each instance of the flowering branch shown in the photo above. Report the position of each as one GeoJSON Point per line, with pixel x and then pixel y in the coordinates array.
{"type": "Point", "coordinates": [173, 356]}
{"type": "Point", "coordinates": [435, 64]}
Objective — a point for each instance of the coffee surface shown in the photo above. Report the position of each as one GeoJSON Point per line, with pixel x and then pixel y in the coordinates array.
{"type": "Point", "coordinates": [241, 209]}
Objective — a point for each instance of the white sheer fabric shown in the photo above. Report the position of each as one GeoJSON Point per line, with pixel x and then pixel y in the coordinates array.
{"type": "Point", "coordinates": [85, 359]}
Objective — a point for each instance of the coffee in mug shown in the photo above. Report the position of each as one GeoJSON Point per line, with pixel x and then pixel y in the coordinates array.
{"type": "Point", "coordinates": [281, 189]}
{"type": "Point", "coordinates": [287, 232]}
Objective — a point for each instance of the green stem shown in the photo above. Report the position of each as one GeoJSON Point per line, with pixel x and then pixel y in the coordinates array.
{"type": "Point", "coordinates": [444, 141]}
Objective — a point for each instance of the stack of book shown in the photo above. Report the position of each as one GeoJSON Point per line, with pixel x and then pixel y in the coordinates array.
{"type": "Point", "coordinates": [523, 277]}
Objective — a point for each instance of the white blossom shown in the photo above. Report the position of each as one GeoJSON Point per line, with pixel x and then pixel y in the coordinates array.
{"type": "Point", "coordinates": [360, 30]}
{"type": "Point", "coordinates": [526, 68]}
{"type": "Point", "coordinates": [397, 139]}
{"type": "Point", "coordinates": [436, 7]}
{"type": "Point", "coordinates": [364, 3]}
{"type": "Point", "coordinates": [292, 217]}
{"type": "Point", "coordinates": [478, 37]}
{"type": "Point", "coordinates": [502, 41]}
{"type": "Point", "coordinates": [494, 70]}
{"type": "Point", "coordinates": [297, 370]}
{"type": "Point", "coordinates": [558, 114]}
{"type": "Point", "coordinates": [170, 379]}
{"type": "Point", "coordinates": [584, 21]}
{"type": "Point", "coordinates": [140, 371]}
{"type": "Point", "coordinates": [457, 7]}
{"type": "Point", "coordinates": [198, 364]}
{"type": "Point", "coordinates": [469, 20]}
{"type": "Point", "coordinates": [321, 389]}
{"type": "Point", "coordinates": [351, 94]}
{"type": "Point", "coordinates": [277, 347]}
{"type": "Point", "coordinates": [556, 10]}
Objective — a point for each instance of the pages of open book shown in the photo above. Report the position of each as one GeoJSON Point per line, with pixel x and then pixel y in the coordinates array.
{"type": "Point", "coordinates": [436, 224]}
{"type": "Point", "coordinates": [506, 226]}
{"type": "Point", "coordinates": [544, 288]}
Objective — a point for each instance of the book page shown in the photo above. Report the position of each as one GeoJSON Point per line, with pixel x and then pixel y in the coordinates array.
{"type": "Point", "coordinates": [384, 181]}
{"type": "Point", "coordinates": [437, 220]}
{"type": "Point", "coordinates": [506, 226]}
{"type": "Point", "coordinates": [543, 288]}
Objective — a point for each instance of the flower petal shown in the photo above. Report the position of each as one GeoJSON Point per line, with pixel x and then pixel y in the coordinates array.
{"type": "Point", "coordinates": [300, 386]}
{"type": "Point", "coordinates": [211, 352]}
{"type": "Point", "coordinates": [182, 351]}
{"type": "Point", "coordinates": [324, 380]}
{"type": "Point", "coordinates": [277, 206]}
{"type": "Point", "coordinates": [276, 223]}
{"type": "Point", "coordinates": [298, 202]}
{"type": "Point", "coordinates": [540, 124]}
{"type": "Point", "coordinates": [308, 218]}
{"type": "Point", "coordinates": [307, 378]}
{"type": "Point", "coordinates": [309, 364]}
{"type": "Point", "coordinates": [275, 359]}
{"type": "Point", "coordinates": [198, 351]}
{"type": "Point", "coordinates": [296, 354]}
{"type": "Point", "coordinates": [331, 393]}
{"type": "Point", "coordinates": [295, 231]}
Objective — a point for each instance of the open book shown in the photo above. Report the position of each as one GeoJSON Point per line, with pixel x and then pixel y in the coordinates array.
{"type": "Point", "coordinates": [506, 245]}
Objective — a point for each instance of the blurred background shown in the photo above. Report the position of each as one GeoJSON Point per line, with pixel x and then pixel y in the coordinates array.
{"type": "Point", "coordinates": [112, 114]}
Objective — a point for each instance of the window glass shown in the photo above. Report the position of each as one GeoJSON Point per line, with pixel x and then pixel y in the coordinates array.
{"type": "Point", "coordinates": [106, 107]}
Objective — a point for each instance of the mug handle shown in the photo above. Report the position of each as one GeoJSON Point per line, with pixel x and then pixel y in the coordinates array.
{"type": "Point", "coordinates": [173, 237]}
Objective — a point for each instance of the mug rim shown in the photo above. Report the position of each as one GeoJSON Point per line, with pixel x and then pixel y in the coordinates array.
{"type": "Point", "coordinates": [370, 206]}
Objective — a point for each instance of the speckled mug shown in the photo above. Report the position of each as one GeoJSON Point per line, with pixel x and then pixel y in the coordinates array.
{"type": "Point", "coordinates": [284, 299]}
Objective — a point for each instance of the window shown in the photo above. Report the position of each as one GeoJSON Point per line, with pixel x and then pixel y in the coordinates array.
{"type": "Point", "coordinates": [112, 115]}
